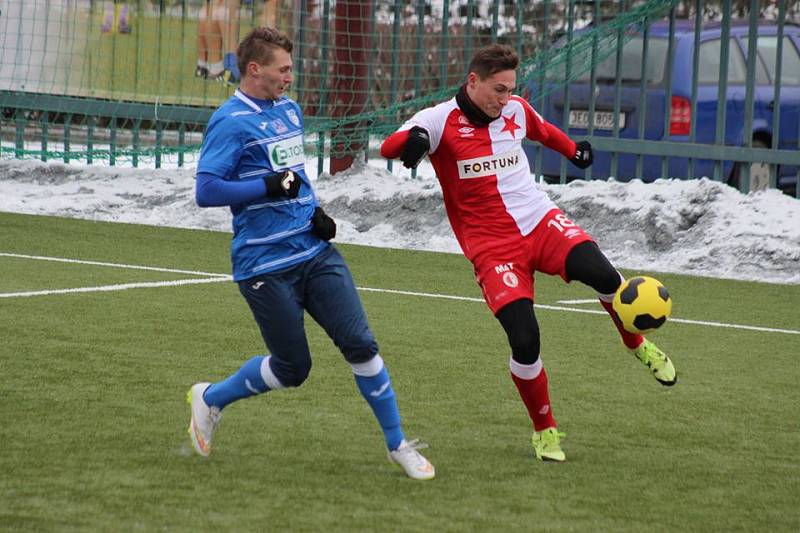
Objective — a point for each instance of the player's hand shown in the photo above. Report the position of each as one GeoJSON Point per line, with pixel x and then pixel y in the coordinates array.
{"type": "Point", "coordinates": [416, 147]}
{"type": "Point", "coordinates": [322, 225]}
{"type": "Point", "coordinates": [583, 155]}
{"type": "Point", "coordinates": [283, 184]}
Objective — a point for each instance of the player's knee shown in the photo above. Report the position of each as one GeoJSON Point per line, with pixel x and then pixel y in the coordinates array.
{"type": "Point", "coordinates": [587, 264]}
{"type": "Point", "coordinates": [525, 345]}
{"type": "Point", "coordinates": [360, 353]}
{"type": "Point", "coordinates": [358, 346]}
{"type": "Point", "coordinates": [294, 374]}
{"type": "Point", "coordinates": [522, 329]}
{"type": "Point", "coordinates": [608, 281]}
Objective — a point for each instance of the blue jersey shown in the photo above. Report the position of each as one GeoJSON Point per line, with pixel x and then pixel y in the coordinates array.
{"type": "Point", "coordinates": [248, 139]}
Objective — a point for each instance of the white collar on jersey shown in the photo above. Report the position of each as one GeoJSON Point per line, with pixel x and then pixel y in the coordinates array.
{"type": "Point", "coordinates": [246, 99]}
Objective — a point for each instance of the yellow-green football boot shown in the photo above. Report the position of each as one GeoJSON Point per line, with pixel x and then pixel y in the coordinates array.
{"type": "Point", "coordinates": [658, 363]}
{"type": "Point", "coordinates": [547, 445]}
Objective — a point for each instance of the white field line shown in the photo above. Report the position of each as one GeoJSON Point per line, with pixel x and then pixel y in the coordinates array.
{"type": "Point", "coordinates": [578, 302]}
{"type": "Point", "coordinates": [109, 288]}
{"type": "Point", "coordinates": [591, 311]}
{"type": "Point", "coordinates": [215, 277]}
{"type": "Point", "coordinates": [113, 265]}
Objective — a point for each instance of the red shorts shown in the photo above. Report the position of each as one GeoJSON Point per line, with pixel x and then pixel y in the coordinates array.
{"type": "Point", "coordinates": [506, 274]}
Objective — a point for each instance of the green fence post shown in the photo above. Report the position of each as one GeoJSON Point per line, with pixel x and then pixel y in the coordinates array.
{"type": "Point", "coordinates": [643, 96]}
{"type": "Point", "coordinates": [443, 60]}
{"type": "Point", "coordinates": [67, 128]}
{"type": "Point", "coordinates": [518, 16]}
{"type": "Point", "coordinates": [495, 16]}
{"type": "Point", "coordinates": [371, 59]}
{"type": "Point", "coordinates": [596, 21]}
{"type": "Point", "coordinates": [418, 60]}
{"type": "Point", "coordinates": [468, 34]}
{"type": "Point", "coordinates": [112, 142]}
{"type": "Point", "coordinates": [181, 143]}
{"type": "Point", "coordinates": [395, 62]}
{"type": "Point", "coordinates": [567, 75]}
{"type": "Point", "coordinates": [45, 133]}
{"type": "Point", "coordinates": [19, 140]}
{"type": "Point", "coordinates": [137, 126]}
{"type": "Point", "coordinates": [668, 93]}
{"type": "Point", "coordinates": [698, 19]}
{"type": "Point", "coordinates": [537, 166]}
{"type": "Point", "coordinates": [159, 139]}
{"type": "Point", "coordinates": [326, 16]}
{"type": "Point", "coordinates": [301, 60]}
{"type": "Point", "coordinates": [89, 139]}
{"type": "Point", "coordinates": [747, 135]}
{"type": "Point", "coordinates": [617, 93]}
{"type": "Point", "coordinates": [776, 115]}
{"type": "Point", "coordinates": [722, 90]}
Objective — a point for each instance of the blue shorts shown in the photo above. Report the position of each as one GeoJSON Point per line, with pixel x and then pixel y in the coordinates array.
{"type": "Point", "coordinates": [324, 287]}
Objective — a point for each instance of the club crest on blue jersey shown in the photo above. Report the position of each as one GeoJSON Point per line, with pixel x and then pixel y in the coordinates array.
{"type": "Point", "coordinates": [293, 117]}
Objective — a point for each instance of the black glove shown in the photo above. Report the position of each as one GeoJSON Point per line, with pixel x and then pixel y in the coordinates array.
{"type": "Point", "coordinates": [416, 147]}
{"type": "Point", "coordinates": [583, 155]}
{"type": "Point", "coordinates": [286, 184]}
{"type": "Point", "coordinates": [322, 225]}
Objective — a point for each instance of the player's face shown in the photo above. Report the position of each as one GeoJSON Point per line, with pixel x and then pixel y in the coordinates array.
{"type": "Point", "coordinates": [272, 80]}
{"type": "Point", "coordinates": [492, 93]}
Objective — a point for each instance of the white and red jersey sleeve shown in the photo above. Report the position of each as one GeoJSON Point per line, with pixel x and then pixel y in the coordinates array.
{"type": "Point", "coordinates": [539, 130]}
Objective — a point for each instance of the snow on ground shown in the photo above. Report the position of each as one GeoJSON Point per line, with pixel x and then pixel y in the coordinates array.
{"type": "Point", "coordinates": [697, 227]}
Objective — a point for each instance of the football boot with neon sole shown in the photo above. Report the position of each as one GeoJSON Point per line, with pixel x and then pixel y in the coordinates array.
{"type": "Point", "coordinates": [411, 461]}
{"type": "Point", "coordinates": [204, 421]}
{"type": "Point", "coordinates": [658, 363]}
{"type": "Point", "coordinates": [547, 445]}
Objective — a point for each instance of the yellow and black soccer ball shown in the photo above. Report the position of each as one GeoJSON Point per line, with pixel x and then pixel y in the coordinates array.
{"type": "Point", "coordinates": [642, 304]}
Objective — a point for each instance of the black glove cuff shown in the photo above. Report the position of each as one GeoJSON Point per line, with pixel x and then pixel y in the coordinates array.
{"type": "Point", "coordinates": [273, 183]}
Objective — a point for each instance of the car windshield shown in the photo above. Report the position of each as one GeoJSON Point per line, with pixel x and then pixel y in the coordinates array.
{"type": "Point", "coordinates": [631, 63]}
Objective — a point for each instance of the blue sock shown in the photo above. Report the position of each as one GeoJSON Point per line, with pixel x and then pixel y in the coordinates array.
{"type": "Point", "coordinates": [246, 382]}
{"type": "Point", "coordinates": [378, 392]}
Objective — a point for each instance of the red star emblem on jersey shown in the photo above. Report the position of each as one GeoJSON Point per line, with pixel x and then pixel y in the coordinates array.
{"type": "Point", "coordinates": [511, 125]}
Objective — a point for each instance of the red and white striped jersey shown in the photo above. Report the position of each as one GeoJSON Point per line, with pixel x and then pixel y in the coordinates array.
{"type": "Point", "coordinates": [489, 194]}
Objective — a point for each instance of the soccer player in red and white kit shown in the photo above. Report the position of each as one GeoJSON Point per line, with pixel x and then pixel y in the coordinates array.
{"type": "Point", "coordinates": [507, 227]}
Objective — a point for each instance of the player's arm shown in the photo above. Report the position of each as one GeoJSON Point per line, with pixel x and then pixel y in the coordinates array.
{"type": "Point", "coordinates": [415, 139]}
{"type": "Point", "coordinates": [411, 146]}
{"type": "Point", "coordinates": [212, 190]}
{"type": "Point", "coordinates": [580, 153]}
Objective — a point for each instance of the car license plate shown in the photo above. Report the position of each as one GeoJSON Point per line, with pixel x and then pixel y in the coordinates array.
{"type": "Point", "coordinates": [603, 120]}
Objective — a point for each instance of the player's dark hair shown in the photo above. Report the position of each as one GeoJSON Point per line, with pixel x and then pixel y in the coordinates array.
{"type": "Point", "coordinates": [259, 45]}
{"type": "Point", "coordinates": [492, 59]}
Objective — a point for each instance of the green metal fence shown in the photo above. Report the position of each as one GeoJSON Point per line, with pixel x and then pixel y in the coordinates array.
{"type": "Point", "coordinates": [73, 87]}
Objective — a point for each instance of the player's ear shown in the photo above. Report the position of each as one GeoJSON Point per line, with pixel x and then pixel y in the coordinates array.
{"type": "Point", "coordinates": [472, 79]}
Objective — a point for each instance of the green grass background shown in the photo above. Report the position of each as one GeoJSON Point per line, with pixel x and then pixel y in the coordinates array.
{"type": "Point", "coordinates": [94, 421]}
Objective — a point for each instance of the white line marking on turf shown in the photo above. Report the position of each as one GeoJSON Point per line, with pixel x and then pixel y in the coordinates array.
{"type": "Point", "coordinates": [120, 287]}
{"type": "Point", "coordinates": [114, 265]}
{"type": "Point", "coordinates": [588, 311]}
{"type": "Point", "coordinates": [225, 277]}
{"type": "Point", "coordinates": [574, 302]}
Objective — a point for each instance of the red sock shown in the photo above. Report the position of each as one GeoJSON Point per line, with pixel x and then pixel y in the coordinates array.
{"type": "Point", "coordinates": [536, 398]}
{"type": "Point", "coordinates": [631, 340]}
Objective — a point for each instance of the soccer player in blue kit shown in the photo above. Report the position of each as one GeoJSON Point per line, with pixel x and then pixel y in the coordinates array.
{"type": "Point", "coordinates": [252, 160]}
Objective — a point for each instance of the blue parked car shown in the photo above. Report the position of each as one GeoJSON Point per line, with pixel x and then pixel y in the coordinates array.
{"type": "Point", "coordinates": [708, 76]}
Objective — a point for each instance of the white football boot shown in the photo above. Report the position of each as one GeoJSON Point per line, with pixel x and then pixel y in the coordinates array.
{"type": "Point", "coordinates": [411, 461]}
{"type": "Point", "coordinates": [205, 419]}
